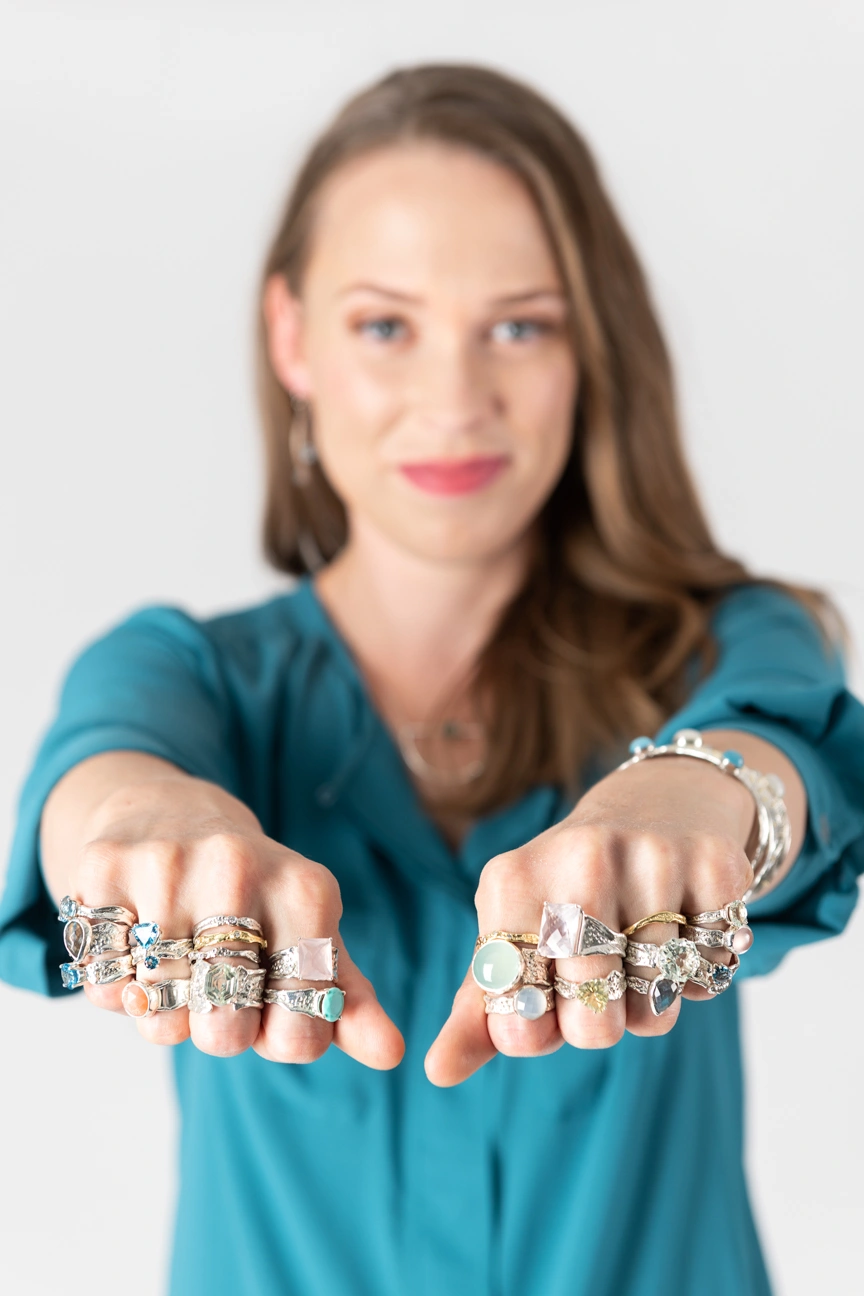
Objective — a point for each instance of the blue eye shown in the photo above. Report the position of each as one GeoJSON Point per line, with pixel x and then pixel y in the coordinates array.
{"type": "Point", "coordinates": [517, 330]}
{"type": "Point", "coordinates": [383, 330]}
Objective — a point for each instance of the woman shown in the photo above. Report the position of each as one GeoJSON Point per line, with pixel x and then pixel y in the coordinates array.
{"type": "Point", "coordinates": [505, 575]}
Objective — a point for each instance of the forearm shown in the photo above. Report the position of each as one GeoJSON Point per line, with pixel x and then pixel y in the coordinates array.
{"type": "Point", "coordinates": [110, 786]}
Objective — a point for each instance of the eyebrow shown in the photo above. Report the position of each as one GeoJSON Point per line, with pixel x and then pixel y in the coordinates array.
{"type": "Point", "coordinates": [509, 299]}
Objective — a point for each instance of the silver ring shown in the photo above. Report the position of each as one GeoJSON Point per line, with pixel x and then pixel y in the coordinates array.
{"type": "Point", "coordinates": [225, 985]}
{"type": "Point", "coordinates": [595, 993]}
{"type": "Point", "coordinates": [101, 973]}
{"type": "Point", "coordinates": [566, 931]}
{"type": "Point", "coordinates": [530, 1002]}
{"type": "Point", "coordinates": [71, 908]}
{"type": "Point", "coordinates": [152, 955]}
{"type": "Point", "coordinates": [676, 959]}
{"type": "Point", "coordinates": [226, 920]}
{"type": "Point", "coordinates": [326, 1004]}
{"type": "Point", "coordinates": [143, 998]}
{"type": "Point", "coordinates": [225, 951]}
{"type": "Point", "coordinates": [311, 959]}
{"type": "Point", "coordinates": [662, 991]}
{"type": "Point", "coordinates": [83, 937]}
{"type": "Point", "coordinates": [734, 913]}
{"type": "Point", "coordinates": [716, 977]}
{"type": "Point", "coordinates": [737, 939]}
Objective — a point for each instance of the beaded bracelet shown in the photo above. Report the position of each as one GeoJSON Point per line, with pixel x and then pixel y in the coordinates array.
{"type": "Point", "coordinates": [775, 834]}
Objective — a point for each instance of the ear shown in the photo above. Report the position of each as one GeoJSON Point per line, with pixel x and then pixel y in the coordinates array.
{"type": "Point", "coordinates": [283, 317]}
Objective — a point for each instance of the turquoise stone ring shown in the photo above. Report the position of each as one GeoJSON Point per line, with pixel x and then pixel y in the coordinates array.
{"type": "Point", "coordinates": [497, 966]}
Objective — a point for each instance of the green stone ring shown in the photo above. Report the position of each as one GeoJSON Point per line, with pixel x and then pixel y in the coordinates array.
{"type": "Point", "coordinates": [326, 1004]}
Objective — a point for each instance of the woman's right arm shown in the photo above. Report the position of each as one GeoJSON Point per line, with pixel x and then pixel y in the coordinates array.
{"type": "Point", "coordinates": [128, 828]}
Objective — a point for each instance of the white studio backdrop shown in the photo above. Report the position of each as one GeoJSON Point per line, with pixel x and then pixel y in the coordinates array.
{"type": "Point", "coordinates": [144, 149]}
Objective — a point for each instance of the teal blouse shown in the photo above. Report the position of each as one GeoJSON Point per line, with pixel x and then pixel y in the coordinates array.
{"type": "Point", "coordinates": [567, 1175]}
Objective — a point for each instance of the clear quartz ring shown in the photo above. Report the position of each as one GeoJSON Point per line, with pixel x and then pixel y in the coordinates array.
{"type": "Point", "coordinates": [326, 1004]}
{"type": "Point", "coordinates": [676, 959]}
{"type": "Point", "coordinates": [72, 908]}
{"type": "Point", "coordinates": [529, 1002]}
{"type": "Point", "coordinates": [311, 959]}
{"type": "Point", "coordinates": [226, 920]}
{"type": "Point", "coordinates": [566, 931]}
{"type": "Point", "coordinates": [595, 993]}
{"type": "Point", "coordinates": [143, 998]}
{"type": "Point", "coordinates": [83, 937]}
{"type": "Point", "coordinates": [225, 985]}
{"type": "Point", "coordinates": [103, 972]}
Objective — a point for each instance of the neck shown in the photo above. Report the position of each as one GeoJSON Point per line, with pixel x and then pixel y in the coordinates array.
{"type": "Point", "coordinates": [416, 626]}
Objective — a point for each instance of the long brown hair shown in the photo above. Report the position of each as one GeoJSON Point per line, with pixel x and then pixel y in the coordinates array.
{"type": "Point", "coordinates": [594, 649]}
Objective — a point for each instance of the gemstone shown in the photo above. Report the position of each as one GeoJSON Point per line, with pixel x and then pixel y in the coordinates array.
{"type": "Point", "coordinates": [497, 966]}
{"type": "Point", "coordinates": [560, 929]}
{"type": "Point", "coordinates": [151, 962]}
{"type": "Point", "coordinates": [332, 1001]}
{"type": "Point", "coordinates": [221, 984]}
{"type": "Point", "coordinates": [736, 913]}
{"type": "Point", "coordinates": [530, 1003]}
{"type": "Point", "coordinates": [663, 994]}
{"type": "Point", "coordinates": [678, 959]}
{"type": "Point", "coordinates": [135, 999]}
{"type": "Point", "coordinates": [640, 744]}
{"type": "Point", "coordinates": [315, 959]}
{"type": "Point", "coordinates": [76, 938]}
{"type": "Point", "coordinates": [734, 758]}
{"type": "Point", "coordinates": [145, 934]}
{"type": "Point", "coordinates": [742, 940]}
{"type": "Point", "coordinates": [68, 908]}
{"type": "Point", "coordinates": [593, 994]}
{"type": "Point", "coordinates": [721, 977]}
{"type": "Point", "coordinates": [71, 976]}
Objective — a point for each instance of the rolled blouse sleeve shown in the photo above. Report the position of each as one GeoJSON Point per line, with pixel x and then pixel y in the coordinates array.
{"type": "Point", "coordinates": [776, 677]}
{"type": "Point", "coordinates": [152, 684]}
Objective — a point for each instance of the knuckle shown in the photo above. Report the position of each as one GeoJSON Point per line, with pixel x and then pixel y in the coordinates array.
{"type": "Point", "coordinates": [102, 860]}
{"type": "Point", "coordinates": [312, 886]}
{"type": "Point", "coordinates": [503, 877]}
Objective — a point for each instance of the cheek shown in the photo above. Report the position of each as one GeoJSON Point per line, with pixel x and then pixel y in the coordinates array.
{"type": "Point", "coordinates": [542, 414]}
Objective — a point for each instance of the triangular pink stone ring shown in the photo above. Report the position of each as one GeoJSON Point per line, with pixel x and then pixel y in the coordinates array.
{"type": "Point", "coordinates": [566, 931]}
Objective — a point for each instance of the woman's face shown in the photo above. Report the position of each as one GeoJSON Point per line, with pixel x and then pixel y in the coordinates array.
{"type": "Point", "coordinates": [431, 343]}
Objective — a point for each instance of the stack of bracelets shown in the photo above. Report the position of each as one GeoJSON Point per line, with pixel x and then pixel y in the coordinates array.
{"type": "Point", "coordinates": [109, 944]}
{"type": "Point", "coordinates": [514, 969]}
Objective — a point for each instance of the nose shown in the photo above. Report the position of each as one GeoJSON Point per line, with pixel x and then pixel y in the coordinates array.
{"type": "Point", "coordinates": [455, 390]}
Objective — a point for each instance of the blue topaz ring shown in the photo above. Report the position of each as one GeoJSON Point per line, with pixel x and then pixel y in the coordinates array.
{"type": "Point", "coordinates": [502, 963]}
{"type": "Point", "coordinates": [529, 1002]}
{"type": "Point", "coordinates": [311, 959]}
{"type": "Point", "coordinates": [83, 937]}
{"type": "Point", "coordinates": [152, 955]}
{"type": "Point", "coordinates": [143, 999]}
{"type": "Point", "coordinates": [326, 1004]}
{"type": "Point", "coordinates": [596, 993]}
{"type": "Point", "coordinates": [71, 908]}
{"type": "Point", "coordinates": [715, 977]}
{"type": "Point", "coordinates": [224, 985]}
{"type": "Point", "coordinates": [103, 972]}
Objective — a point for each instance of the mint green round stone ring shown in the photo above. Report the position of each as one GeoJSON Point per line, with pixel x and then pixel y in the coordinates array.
{"type": "Point", "coordinates": [326, 1004]}
{"type": "Point", "coordinates": [503, 961]}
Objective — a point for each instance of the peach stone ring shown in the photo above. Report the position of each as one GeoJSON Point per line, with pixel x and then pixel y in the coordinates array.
{"type": "Point", "coordinates": [141, 999]}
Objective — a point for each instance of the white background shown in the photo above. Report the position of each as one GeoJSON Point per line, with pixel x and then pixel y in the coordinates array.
{"type": "Point", "coordinates": [144, 149]}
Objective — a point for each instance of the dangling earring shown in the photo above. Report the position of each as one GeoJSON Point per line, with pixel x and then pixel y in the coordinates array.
{"type": "Point", "coordinates": [301, 447]}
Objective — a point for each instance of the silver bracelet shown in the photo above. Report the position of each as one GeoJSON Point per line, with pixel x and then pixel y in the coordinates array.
{"type": "Point", "coordinates": [775, 832]}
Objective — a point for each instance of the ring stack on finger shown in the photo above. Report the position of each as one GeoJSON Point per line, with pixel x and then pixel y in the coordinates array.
{"type": "Point", "coordinates": [311, 959]}
{"type": "Point", "coordinates": [679, 960]}
{"type": "Point", "coordinates": [215, 982]}
{"type": "Point", "coordinates": [89, 933]}
{"type": "Point", "coordinates": [143, 998]}
{"type": "Point", "coordinates": [514, 976]}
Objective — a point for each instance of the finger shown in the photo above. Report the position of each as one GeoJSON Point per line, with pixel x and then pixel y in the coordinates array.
{"type": "Point", "coordinates": [722, 874]}
{"type": "Point", "coordinates": [505, 902]}
{"type": "Point", "coordinates": [463, 1044]}
{"type": "Point", "coordinates": [641, 1020]}
{"type": "Point", "coordinates": [364, 1031]}
{"type": "Point", "coordinates": [107, 997]}
{"type": "Point", "coordinates": [592, 1020]}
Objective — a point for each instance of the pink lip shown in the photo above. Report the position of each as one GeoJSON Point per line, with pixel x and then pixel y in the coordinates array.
{"type": "Point", "coordinates": [454, 476]}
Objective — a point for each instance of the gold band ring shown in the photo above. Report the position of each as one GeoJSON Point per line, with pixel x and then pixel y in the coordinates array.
{"type": "Point", "coordinates": [219, 938]}
{"type": "Point", "coordinates": [664, 917]}
{"type": "Point", "coordinates": [515, 938]}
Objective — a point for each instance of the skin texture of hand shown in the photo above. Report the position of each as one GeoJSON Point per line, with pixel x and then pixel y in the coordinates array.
{"type": "Point", "coordinates": [128, 829]}
{"type": "Point", "coordinates": [668, 834]}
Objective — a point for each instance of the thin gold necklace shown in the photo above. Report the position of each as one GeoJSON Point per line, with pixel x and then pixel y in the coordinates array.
{"type": "Point", "coordinates": [409, 734]}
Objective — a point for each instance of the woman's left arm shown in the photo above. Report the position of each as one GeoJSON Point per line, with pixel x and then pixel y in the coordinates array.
{"type": "Point", "coordinates": [673, 834]}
